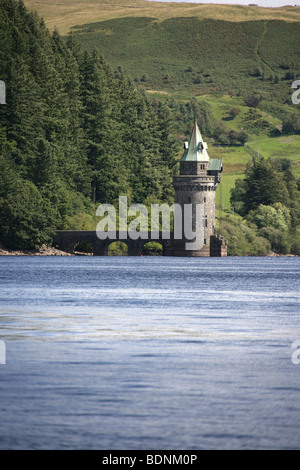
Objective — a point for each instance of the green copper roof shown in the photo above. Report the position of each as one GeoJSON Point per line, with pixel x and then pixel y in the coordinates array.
{"type": "Point", "coordinates": [195, 148]}
{"type": "Point", "coordinates": [215, 164]}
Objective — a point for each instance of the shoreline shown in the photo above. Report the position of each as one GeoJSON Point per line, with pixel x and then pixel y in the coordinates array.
{"type": "Point", "coordinates": [42, 251]}
{"type": "Point", "coordinates": [51, 251]}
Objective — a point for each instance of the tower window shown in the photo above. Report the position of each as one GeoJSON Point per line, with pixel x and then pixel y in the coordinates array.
{"type": "Point", "coordinates": [204, 200]}
{"type": "Point", "coordinates": [204, 241]}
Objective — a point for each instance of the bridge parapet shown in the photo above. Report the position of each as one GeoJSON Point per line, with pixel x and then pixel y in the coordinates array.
{"type": "Point", "coordinates": [67, 240]}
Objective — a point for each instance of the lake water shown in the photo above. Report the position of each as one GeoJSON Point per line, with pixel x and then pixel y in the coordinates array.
{"type": "Point", "coordinates": [149, 353]}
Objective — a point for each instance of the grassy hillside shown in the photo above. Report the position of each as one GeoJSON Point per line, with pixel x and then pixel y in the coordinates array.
{"type": "Point", "coordinates": [186, 49]}
{"type": "Point", "coordinates": [200, 55]}
{"type": "Point", "coordinates": [64, 14]}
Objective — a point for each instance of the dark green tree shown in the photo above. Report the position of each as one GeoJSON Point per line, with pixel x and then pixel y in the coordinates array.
{"type": "Point", "coordinates": [262, 185]}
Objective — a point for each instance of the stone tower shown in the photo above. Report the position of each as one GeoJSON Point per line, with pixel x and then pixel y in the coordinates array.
{"type": "Point", "coordinates": [196, 184]}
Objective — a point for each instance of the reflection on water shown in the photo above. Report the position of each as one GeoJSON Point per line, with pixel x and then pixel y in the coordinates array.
{"type": "Point", "coordinates": [149, 353]}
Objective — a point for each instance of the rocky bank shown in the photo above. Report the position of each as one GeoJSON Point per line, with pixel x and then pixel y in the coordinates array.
{"type": "Point", "coordinates": [42, 251]}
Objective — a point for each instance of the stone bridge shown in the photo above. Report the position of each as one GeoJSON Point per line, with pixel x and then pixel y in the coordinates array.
{"type": "Point", "coordinates": [67, 240]}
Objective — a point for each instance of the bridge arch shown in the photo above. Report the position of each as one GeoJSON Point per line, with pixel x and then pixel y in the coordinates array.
{"type": "Point", "coordinates": [117, 248]}
{"type": "Point", "coordinates": [84, 247]}
{"type": "Point", "coordinates": [153, 248]}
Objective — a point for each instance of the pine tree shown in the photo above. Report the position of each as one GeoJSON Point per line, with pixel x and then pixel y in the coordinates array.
{"type": "Point", "coordinates": [262, 185]}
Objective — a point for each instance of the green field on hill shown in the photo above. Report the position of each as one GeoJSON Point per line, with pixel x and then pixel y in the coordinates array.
{"type": "Point", "coordinates": [261, 141]}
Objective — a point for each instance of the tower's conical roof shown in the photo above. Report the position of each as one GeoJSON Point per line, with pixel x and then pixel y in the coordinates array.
{"type": "Point", "coordinates": [195, 148]}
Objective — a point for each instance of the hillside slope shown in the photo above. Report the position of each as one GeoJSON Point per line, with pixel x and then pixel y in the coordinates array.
{"type": "Point", "coordinates": [202, 55]}
{"type": "Point", "coordinates": [64, 14]}
{"type": "Point", "coordinates": [190, 48]}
